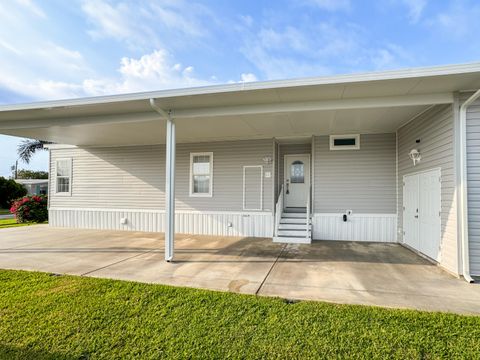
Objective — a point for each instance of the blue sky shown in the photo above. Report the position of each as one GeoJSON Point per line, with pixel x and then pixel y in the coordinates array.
{"type": "Point", "coordinates": [62, 49]}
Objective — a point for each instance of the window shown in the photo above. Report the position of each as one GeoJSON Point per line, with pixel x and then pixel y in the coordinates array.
{"type": "Point", "coordinates": [201, 174]}
{"type": "Point", "coordinates": [345, 142]}
{"type": "Point", "coordinates": [63, 176]}
{"type": "Point", "coordinates": [297, 172]}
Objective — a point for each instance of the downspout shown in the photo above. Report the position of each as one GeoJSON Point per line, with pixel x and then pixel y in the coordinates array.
{"type": "Point", "coordinates": [463, 186]}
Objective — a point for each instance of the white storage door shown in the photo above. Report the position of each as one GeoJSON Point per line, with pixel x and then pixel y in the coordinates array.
{"type": "Point", "coordinates": [429, 214]}
{"type": "Point", "coordinates": [410, 212]}
{"type": "Point", "coordinates": [422, 212]}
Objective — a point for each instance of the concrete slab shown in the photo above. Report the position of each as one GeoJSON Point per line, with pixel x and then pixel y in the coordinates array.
{"type": "Point", "coordinates": [227, 264]}
{"type": "Point", "coordinates": [344, 272]}
{"type": "Point", "coordinates": [369, 274]}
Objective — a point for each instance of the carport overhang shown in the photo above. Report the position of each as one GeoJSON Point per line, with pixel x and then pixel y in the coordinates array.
{"type": "Point", "coordinates": [362, 103]}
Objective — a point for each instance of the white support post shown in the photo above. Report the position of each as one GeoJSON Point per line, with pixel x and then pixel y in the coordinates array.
{"type": "Point", "coordinates": [170, 190]}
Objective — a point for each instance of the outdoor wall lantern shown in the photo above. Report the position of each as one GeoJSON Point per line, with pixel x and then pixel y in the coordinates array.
{"type": "Point", "coordinates": [414, 154]}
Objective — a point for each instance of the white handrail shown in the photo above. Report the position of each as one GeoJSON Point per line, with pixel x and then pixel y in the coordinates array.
{"type": "Point", "coordinates": [308, 214]}
{"type": "Point", "coordinates": [278, 210]}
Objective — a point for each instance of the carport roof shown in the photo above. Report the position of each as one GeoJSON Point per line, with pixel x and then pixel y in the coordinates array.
{"type": "Point", "coordinates": [357, 103]}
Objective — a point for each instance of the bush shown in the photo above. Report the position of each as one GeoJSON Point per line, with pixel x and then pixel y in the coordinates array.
{"type": "Point", "coordinates": [9, 191]}
{"type": "Point", "coordinates": [30, 209]}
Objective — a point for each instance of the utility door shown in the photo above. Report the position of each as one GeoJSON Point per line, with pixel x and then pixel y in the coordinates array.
{"type": "Point", "coordinates": [429, 214]}
{"type": "Point", "coordinates": [410, 211]}
{"type": "Point", "coordinates": [422, 212]}
{"type": "Point", "coordinates": [297, 180]}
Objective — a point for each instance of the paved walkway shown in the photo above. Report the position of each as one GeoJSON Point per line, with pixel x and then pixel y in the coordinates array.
{"type": "Point", "coordinates": [344, 272]}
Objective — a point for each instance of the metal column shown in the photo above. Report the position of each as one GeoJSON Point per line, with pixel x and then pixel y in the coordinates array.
{"type": "Point", "coordinates": [170, 190]}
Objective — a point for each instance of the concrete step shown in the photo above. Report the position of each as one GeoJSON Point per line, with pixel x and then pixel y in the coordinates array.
{"type": "Point", "coordinates": [292, 240]}
{"type": "Point", "coordinates": [293, 233]}
{"type": "Point", "coordinates": [294, 226]}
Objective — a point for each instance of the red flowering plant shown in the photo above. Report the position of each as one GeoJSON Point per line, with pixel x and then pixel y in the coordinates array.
{"type": "Point", "coordinates": [30, 209]}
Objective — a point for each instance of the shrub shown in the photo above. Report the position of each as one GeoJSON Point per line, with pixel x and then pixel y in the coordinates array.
{"type": "Point", "coordinates": [30, 208]}
{"type": "Point", "coordinates": [9, 191]}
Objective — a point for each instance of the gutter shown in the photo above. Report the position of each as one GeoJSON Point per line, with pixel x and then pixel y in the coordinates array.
{"type": "Point", "coordinates": [463, 186]}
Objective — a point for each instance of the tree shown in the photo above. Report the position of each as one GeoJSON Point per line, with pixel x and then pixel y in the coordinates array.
{"type": "Point", "coordinates": [31, 174]}
{"type": "Point", "coordinates": [9, 191]}
{"type": "Point", "coordinates": [27, 148]}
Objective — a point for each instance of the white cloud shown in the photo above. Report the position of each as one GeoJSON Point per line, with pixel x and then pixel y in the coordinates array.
{"type": "Point", "coordinates": [460, 20]}
{"type": "Point", "coordinates": [154, 71]}
{"type": "Point", "coordinates": [300, 51]}
{"type": "Point", "coordinates": [147, 24]}
{"type": "Point", "coordinates": [32, 7]}
{"type": "Point", "coordinates": [248, 77]}
{"type": "Point", "coordinates": [415, 9]}
{"type": "Point", "coordinates": [330, 5]}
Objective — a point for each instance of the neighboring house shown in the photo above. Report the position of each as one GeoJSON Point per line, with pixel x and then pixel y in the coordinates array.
{"type": "Point", "coordinates": [383, 156]}
{"type": "Point", "coordinates": [34, 186]}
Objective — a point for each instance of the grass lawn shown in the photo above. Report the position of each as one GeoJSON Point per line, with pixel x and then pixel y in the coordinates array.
{"type": "Point", "coordinates": [4, 212]}
{"type": "Point", "coordinates": [66, 317]}
{"type": "Point", "coordinates": [7, 223]}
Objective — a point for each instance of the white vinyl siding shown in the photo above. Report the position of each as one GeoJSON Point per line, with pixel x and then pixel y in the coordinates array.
{"type": "Point", "coordinates": [473, 185]}
{"type": "Point", "coordinates": [201, 174]}
{"type": "Point", "coordinates": [63, 176]}
{"type": "Point", "coordinates": [360, 180]}
{"type": "Point", "coordinates": [133, 177]}
{"type": "Point", "coordinates": [435, 130]}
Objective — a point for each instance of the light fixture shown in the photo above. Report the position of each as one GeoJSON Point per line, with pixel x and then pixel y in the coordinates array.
{"type": "Point", "coordinates": [415, 155]}
{"type": "Point", "coordinates": [267, 159]}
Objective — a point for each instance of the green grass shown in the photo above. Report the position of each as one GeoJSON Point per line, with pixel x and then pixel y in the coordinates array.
{"type": "Point", "coordinates": [7, 223]}
{"type": "Point", "coordinates": [66, 317]}
{"type": "Point", "coordinates": [4, 212]}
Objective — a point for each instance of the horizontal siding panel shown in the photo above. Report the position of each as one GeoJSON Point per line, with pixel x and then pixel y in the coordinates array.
{"type": "Point", "coordinates": [134, 176]}
{"type": "Point", "coordinates": [473, 186]}
{"type": "Point", "coordinates": [435, 129]}
{"type": "Point", "coordinates": [359, 180]}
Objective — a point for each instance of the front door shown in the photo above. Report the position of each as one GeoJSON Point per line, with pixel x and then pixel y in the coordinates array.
{"type": "Point", "coordinates": [296, 180]}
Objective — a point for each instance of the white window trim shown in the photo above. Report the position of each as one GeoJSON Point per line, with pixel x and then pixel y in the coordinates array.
{"type": "Point", "coordinates": [345, 147]}
{"type": "Point", "coordinates": [210, 190]}
{"type": "Point", "coordinates": [261, 186]}
{"type": "Point", "coordinates": [69, 193]}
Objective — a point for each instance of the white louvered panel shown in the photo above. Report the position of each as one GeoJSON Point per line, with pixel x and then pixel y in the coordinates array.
{"type": "Point", "coordinates": [254, 225]}
{"type": "Point", "coordinates": [359, 227]}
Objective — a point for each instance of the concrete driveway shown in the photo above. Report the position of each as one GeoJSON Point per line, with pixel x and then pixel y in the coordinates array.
{"type": "Point", "coordinates": [344, 272]}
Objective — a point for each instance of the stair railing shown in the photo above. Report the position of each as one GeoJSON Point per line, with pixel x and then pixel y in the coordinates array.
{"type": "Point", "coordinates": [278, 210]}
{"type": "Point", "coordinates": [308, 215]}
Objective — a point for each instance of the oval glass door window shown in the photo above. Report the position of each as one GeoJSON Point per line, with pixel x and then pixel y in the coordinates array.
{"type": "Point", "coordinates": [297, 173]}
